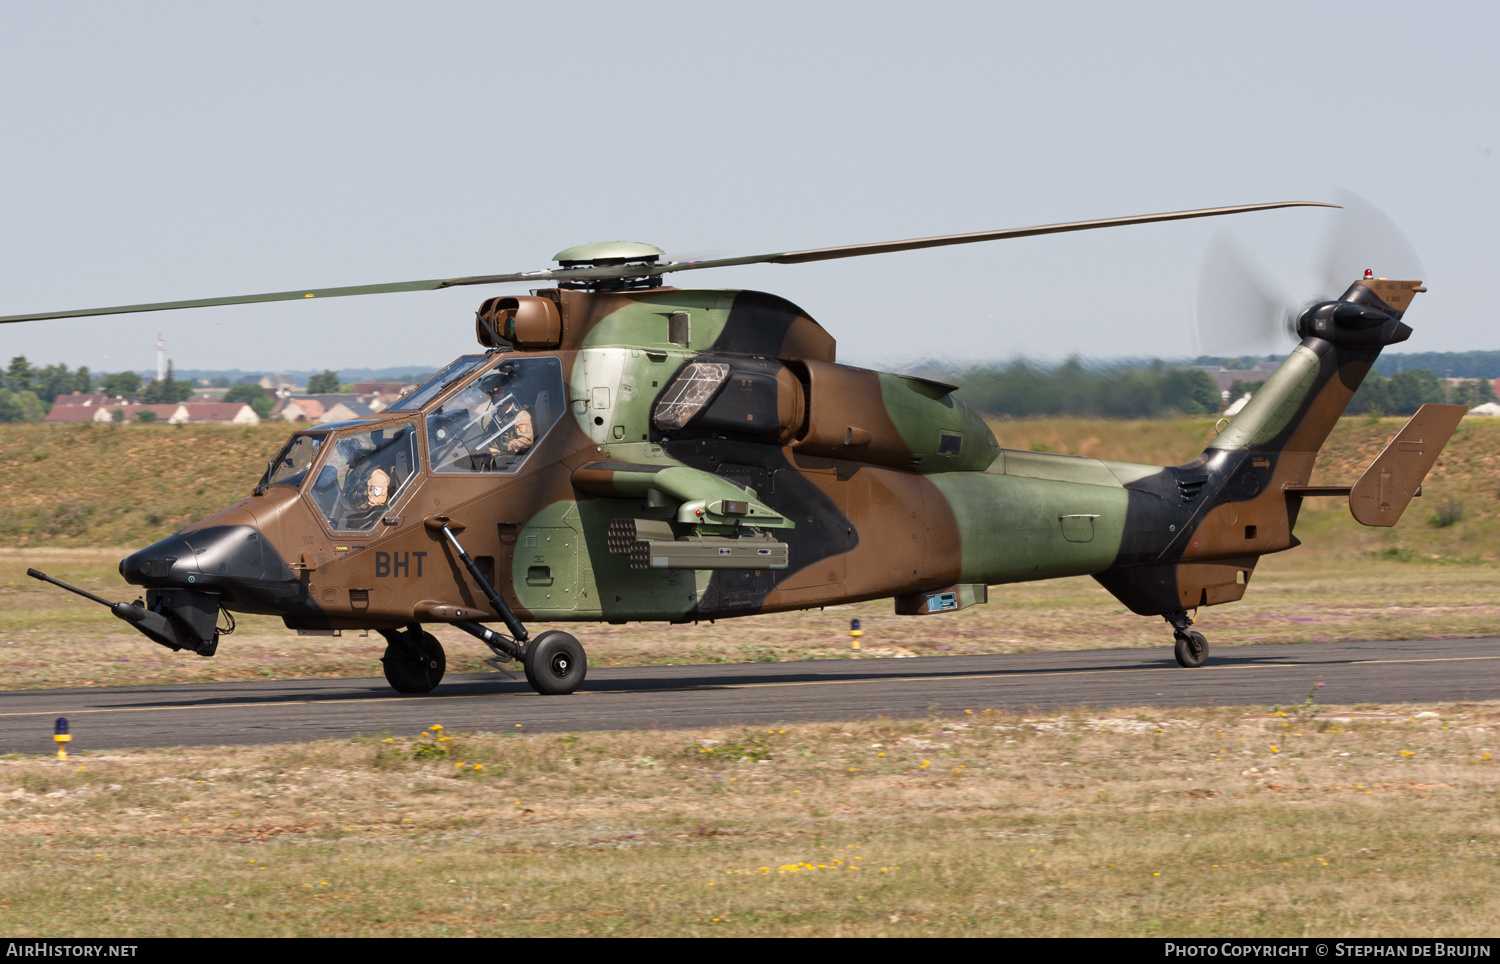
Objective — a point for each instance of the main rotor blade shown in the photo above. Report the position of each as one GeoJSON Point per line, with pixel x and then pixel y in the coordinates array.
{"type": "Point", "coordinates": [613, 271]}
{"type": "Point", "coordinates": [884, 247]}
{"type": "Point", "coordinates": [297, 295]}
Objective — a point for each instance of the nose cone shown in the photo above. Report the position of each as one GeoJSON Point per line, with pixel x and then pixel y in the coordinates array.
{"type": "Point", "coordinates": [207, 557]}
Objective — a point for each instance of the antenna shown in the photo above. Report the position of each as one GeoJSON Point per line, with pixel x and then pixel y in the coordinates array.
{"type": "Point", "coordinates": [161, 356]}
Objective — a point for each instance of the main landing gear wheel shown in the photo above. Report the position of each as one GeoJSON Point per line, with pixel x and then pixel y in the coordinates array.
{"type": "Point", "coordinates": [414, 660]}
{"type": "Point", "coordinates": [1191, 649]}
{"type": "Point", "coordinates": [555, 663]}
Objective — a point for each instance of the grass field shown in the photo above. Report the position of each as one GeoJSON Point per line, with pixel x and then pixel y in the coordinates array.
{"type": "Point", "coordinates": [1417, 579]}
{"type": "Point", "coordinates": [1325, 821]}
{"type": "Point", "coordinates": [129, 485]}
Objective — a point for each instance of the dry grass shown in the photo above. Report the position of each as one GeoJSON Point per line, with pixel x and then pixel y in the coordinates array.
{"type": "Point", "coordinates": [1192, 822]}
{"type": "Point", "coordinates": [49, 638]}
{"type": "Point", "coordinates": [113, 485]}
{"type": "Point", "coordinates": [84, 486]}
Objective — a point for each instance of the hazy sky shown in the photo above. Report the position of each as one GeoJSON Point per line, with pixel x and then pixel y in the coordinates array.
{"type": "Point", "coordinates": [156, 151]}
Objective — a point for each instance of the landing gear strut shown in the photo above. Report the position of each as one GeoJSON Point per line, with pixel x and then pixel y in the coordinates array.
{"type": "Point", "coordinates": [554, 661]}
{"type": "Point", "coordinates": [1192, 648]}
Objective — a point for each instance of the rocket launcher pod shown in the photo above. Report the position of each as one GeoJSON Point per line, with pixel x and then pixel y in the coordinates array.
{"type": "Point", "coordinates": [709, 552]}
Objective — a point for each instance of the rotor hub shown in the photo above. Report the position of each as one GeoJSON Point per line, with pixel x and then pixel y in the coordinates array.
{"type": "Point", "coordinates": [613, 255]}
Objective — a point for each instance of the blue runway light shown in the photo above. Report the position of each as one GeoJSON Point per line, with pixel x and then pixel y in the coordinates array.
{"type": "Point", "coordinates": [61, 737]}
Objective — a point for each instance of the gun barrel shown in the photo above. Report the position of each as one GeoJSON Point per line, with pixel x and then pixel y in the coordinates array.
{"type": "Point", "coordinates": [36, 574]}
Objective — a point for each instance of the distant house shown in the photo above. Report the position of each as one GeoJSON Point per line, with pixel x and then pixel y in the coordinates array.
{"type": "Point", "coordinates": [1488, 408]}
{"type": "Point", "coordinates": [279, 385]}
{"type": "Point", "coordinates": [378, 395]}
{"type": "Point", "coordinates": [321, 408]}
{"type": "Point", "coordinates": [378, 388]}
{"type": "Point", "coordinates": [78, 407]}
{"type": "Point", "coordinates": [1226, 377]}
{"type": "Point", "coordinates": [130, 412]}
{"type": "Point", "coordinates": [228, 413]}
{"type": "Point", "coordinates": [1237, 405]}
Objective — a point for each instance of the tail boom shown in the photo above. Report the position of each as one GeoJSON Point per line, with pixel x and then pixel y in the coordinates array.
{"type": "Point", "coordinates": [1245, 491]}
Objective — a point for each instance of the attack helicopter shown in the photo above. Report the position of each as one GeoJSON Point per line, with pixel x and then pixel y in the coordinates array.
{"type": "Point", "coordinates": [622, 450]}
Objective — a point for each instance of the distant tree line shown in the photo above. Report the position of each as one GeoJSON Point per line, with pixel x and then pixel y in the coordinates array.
{"type": "Point", "coordinates": [1023, 388]}
{"type": "Point", "coordinates": [1444, 364]}
{"type": "Point", "coordinates": [1403, 392]}
{"type": "Point", "coordinates": [27, 392]}
{"type": "Point", "coordinates": [253, 395]}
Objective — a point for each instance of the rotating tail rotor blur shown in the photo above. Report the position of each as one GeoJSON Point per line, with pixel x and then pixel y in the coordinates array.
{"type": "Point", "coordinates": [1241, 309]}
{"type": "Point", "coordinates": [1237, 308]}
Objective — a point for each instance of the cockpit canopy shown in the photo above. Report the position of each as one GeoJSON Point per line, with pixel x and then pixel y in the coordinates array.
{"type": "Point", "coordinates": [355, 472]}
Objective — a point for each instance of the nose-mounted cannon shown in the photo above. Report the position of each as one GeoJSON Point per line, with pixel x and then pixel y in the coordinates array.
{"type": "Point", "coordinates": [176, 618]}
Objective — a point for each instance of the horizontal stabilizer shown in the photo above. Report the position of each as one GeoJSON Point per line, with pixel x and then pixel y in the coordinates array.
{"type": "Point", "coordinates": [1388, 485]}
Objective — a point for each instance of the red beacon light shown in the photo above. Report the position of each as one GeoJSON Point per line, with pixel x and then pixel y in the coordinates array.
{"type": "Point", "coordinates": [1369, 274]}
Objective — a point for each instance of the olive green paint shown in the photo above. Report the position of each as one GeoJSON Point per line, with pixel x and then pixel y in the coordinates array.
{"type": "Point", "coordinates": [922, 421]}
{"type": "Point", "coordinates": [642, 322]}
{"type": "Point", "coordinates": [1011, 528]}
{"type": "Point", "coordinates": [590, 582]}
{"type": "Point", "coordinates": [1272, 408]}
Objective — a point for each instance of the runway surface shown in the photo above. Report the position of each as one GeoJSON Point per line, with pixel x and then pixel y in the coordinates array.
{"type": "Point", "coordinates": [669, 697]}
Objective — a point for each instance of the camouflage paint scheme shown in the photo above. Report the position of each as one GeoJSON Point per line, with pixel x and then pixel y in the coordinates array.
{"type": "Point", "coordinates": [880, 485]}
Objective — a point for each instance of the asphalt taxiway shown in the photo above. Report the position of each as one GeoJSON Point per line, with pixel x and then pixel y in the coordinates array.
{"type": "Point", "coordinates": [670, 697]}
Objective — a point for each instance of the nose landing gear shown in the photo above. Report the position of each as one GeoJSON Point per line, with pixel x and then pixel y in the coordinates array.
{"type": "Point", "coordinates": [1191, 647]}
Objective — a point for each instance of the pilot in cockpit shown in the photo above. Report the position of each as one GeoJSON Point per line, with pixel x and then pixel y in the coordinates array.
{"type": "Point", "coordinates": [485, 427]}
{"type": "Point", "coordinates": [504, 424]}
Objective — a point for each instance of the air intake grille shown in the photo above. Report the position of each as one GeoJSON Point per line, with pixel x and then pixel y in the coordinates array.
{"type": "Point", "coordinates": [1188, 488]}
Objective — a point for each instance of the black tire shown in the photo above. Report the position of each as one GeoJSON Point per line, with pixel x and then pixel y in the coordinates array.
{"type": "Point", "coordinates": [407, 673]}
{"type": "Point", "coordinates": [1191, 649]}
{"type": "Point", "coordinates": [555, 664]}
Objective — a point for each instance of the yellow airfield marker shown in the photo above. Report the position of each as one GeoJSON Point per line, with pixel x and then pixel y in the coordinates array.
{"type": "Point", "coordinates": [61, 737]}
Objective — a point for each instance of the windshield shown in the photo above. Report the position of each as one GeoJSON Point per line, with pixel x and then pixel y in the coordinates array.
{"type": "Point", "coordinates": [290, 467]}
{"type": "Point", "coordinates": [435, 385]}
{"type": "Point", "coordinates": [494, 421]}
{"type": "Point", "coordinates": [365, 474]}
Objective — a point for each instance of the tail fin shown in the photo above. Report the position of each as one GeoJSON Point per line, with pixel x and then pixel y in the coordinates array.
{"type": "Point", "coordinates": [1242, 495]}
